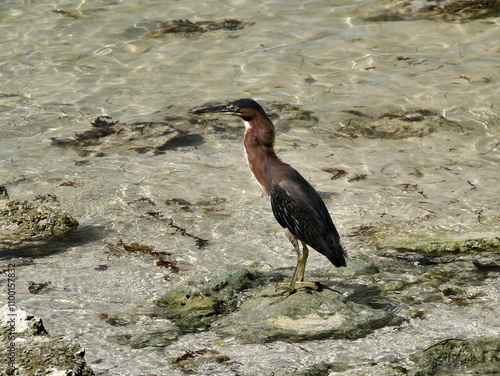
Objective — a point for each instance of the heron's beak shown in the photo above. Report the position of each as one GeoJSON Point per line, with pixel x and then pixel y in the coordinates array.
{"type": "Point", "coordinates": [224, 108]}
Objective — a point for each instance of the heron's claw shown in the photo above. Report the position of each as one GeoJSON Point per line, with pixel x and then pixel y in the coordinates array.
{"type": "Point", "coordinates": [304, 283]}
{"type": "Point", "coordinates": [285, 291]}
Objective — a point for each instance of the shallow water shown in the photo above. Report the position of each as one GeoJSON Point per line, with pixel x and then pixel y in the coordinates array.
{"type": "Point", "coordinates": [61, 70]}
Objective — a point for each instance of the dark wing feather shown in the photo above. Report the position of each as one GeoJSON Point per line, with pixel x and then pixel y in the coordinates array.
{"type": "Point", "coordinates": [299, 208]}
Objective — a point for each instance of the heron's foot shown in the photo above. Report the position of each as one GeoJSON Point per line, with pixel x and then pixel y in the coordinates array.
{"type": "Point", "coordinates": [307, 285]}
{"type": "Point", "coordinates": [285, 290]}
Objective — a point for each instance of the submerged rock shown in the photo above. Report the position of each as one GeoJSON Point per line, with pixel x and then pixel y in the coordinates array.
{"type": "Point", "coordinates": [195, 307]}
{"type": "Point", "coordinates": [317, 314]}
{"type": "Point", "coordinates": [24, 339]}
{"type": "Point", "coordinates": [477, 356]}
{"type": "Point", "coordinates": [160, 338]}
{"type": "Point", "coordinates": [396, 125]}
{"type": "Point", "coordinates": [187, 26]}
{"type": "Point", "coordinates": [234, 305]}
{"type": "Point", "coordinates": [458, 247]}
{"type": "Point", "coordinates": [284, 114]}
{"type": "Point", "coordinates": [443, 10]}
{"type": "Point", "coordinates": [111, 137]}
{"type": "Point", "coordinates": [346, 369]}
{"type": "Point", "coordinates": [24, 223]}
{"type": "Point", "coordinates": [427, 244]}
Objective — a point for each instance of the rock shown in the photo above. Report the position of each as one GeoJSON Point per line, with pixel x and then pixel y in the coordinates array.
{"type": "Point", "coordinates": [443, 10]}
{"type": "Point", "coordinates": [161, 338]}
{"type": "Point", "coordinates": [185, 27]}
{"type": "Point", "coordinates": [3, 193]}
{"type": "Point", "coordinates": [22, 223]}
{"type": "Point", "coordinates": [318, 314]}
{"type": "Point", "coordinates": [346, 369]}
{"type": "Point", "coordinates": [192, 360]}
{"type": "Point", "coordinates": [189, 308]}
{"type": "Point", "coordinates": [121, 319]}
{"type": "Point", "coordinates": [478, 356]}
{"type": "Point", "coordinates": [195, 307]}
{"type": "Point", "coordinates": [111, 137]}
{"type": "Point", "coordinates": [396, 125]}
{"type": "Point", "coordinates": [167, 334]}
{"type": "Point", "coordinates": [36, 353]}
{"type": "Point", "coordinates": [459, 247]}
{"type": "Point", "coordinates": [284, 114]}
{"type": "Point", "coordinates": [234, 304]}
{"type": "Point", "coordinates": [317, 370]}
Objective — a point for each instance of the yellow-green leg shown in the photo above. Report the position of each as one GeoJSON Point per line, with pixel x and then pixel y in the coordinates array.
{"type": "Point", "coordinates": [298, 276]}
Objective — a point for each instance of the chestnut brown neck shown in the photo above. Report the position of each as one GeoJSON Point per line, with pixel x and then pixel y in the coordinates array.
{"type": "Point", "coordinates": [259, 150]}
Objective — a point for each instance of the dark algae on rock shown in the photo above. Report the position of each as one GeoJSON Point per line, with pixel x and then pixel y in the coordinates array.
{"type": "Point", "coordinates": [37, 352]}
{"type": "Point", "coordinates": [26, 225]}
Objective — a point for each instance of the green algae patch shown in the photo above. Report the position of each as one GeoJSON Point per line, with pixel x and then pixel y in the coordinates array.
{"type": "Point", "coordinates": [478, 356]}
{"type": "Point", "coordinates": [195, 307]}
{"type": "Point", "coordinates": [458, 247]}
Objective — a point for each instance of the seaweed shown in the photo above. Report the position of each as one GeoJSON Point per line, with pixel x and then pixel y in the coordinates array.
{"type": "Point", "coordinates": [336, 172]}
{"type": "Point", "coordinates": [46, 198]}
{"type": "Point", "coordinates": [140, 248]}
{"type": "Point", "coordinates": [37, 288]}
{"type": "Point", "coordinates": [83, 162]}
{"type": "Point", "coordinates": [185, 360]}
{"type": "Point", "coordinates": [161, 263]}
{"type": "Point", "coordinates": [102, 126]}
{"type": "Point", "coordinates": [142, 199]}
{"type": "Point", "coordinates": [357, 178]}
{"type": "Point", "coordinates": [200, 243]}
{"type": "Point", "coordinates": [177, 201]}
{"type": "Point", "coordinates": [68, 184]}
{"type": "Point", "coordinates": [187, 26]}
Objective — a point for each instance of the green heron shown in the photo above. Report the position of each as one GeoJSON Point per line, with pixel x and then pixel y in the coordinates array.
{"type": "Point", "coordinates": [296, 205]}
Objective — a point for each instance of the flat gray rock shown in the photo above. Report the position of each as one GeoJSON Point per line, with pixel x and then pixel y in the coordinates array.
{"type": "Point", "coordinates": [311, 315]}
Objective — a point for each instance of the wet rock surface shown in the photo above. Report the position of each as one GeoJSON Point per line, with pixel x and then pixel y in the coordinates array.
{"type": "Point", "coordinates": [442, 10]}
{"type": "Point", "coordinates": [107, 136]}
{"type": "Point", "coordinates": [396, 125]}
{"type": "Point", "coordinates": [195, 307]}
{"type": "Point", "coordinates": [235, 305]}
{"type": "Point", "coordinates": [25, 224]}
{"type": "Point", "coordinates": [187, 26]}
{"type": "Point", "coordinates": [36, 352]}
{"type": "Point", "coordinates": [455, 248]}
{"type": "Point", "coordinates": [149, 29]}
{"type": "Point", "coordinates": [478, 356]}
{"type": "Point", "coordinates": [315, 314]}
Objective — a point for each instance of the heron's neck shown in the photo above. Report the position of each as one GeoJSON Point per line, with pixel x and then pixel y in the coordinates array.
{"type": "Point", "coordinates": [259, 151]}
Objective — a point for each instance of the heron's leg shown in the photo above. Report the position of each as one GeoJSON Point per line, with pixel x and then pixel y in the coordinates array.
{"type": "Point", "coordinates": [298, 276]}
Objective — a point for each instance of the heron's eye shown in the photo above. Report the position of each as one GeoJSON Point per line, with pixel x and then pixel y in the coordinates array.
{"type": "Point", "coordinates": [233, 108]}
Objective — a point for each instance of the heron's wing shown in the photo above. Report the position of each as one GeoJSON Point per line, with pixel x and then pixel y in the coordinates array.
{"type": "Point", "coordinates": [299, 208]}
